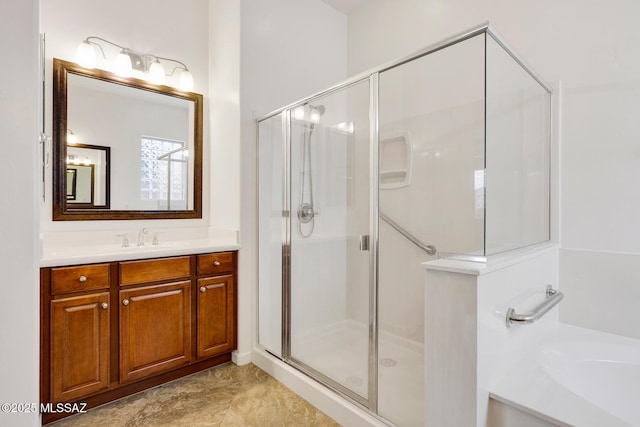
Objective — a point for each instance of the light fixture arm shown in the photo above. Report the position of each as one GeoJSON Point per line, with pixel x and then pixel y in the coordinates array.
{"type": "Point", "coordinates": [182, 65]}
{"type": "Point", "coordinates": [88, 40]}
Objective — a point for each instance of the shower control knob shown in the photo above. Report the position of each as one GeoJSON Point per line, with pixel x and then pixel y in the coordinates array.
{"type": "Point", "coordinates": [216, 263]}
{"type": "Point", "coordinates": [203, 289]}
{"type": "Point", "coordinates": [83, 279]}
{"type": "Point", "coordinates": [125, 302]}
{"type": "Point", "coordinates": [305, 213]}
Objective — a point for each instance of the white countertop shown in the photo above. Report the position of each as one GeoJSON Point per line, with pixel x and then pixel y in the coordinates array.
{"type": "Point", "coordinates": [84, 254]}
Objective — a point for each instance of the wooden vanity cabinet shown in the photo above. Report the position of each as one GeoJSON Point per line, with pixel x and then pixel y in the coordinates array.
{"type": "Point", "coordinates": [79, 346]}
{"type": "Point", "coordinates": [155, 329]}
{"type": "Point", "coordinates": [216, 315]}
{"type": "Point", "coordinates": [79, 338]}
{"type": "Point", "coordinates": [155, 318]}
{"type": "Point", "coordinates": [216, 306]}
{"type": "Point", "coordinates": [114, 329]}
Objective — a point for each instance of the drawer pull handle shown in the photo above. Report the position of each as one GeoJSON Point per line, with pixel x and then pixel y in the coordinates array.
{"type": "Point", "coordinates": [125, 302]}
{"type": "Point", "coordinates": [104, 305]}
{"type": "Point", "coordinates": [216, 263]}
{"type": "Point", "coordinates": [83, 279]}
{"type": "Point", "coordinates": [203, 289]}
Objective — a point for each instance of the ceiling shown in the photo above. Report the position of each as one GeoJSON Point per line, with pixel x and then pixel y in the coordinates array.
{"type": "Point", "coordinates": [345, 6]}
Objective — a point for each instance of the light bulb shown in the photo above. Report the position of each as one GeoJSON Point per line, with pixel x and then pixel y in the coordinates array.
{"type": "Point", "coordinates": [86, 55]}
{"type": "Point", "coordinates": [186, 81]}
{"type": "Point", "coordinates": [123, 64]}
{"type": "Point", "coordinates": [298, 113]}
{"type": "Point", "coordinates": [156, 73]}
{"type": "Point", "coordinates": [314, 116]}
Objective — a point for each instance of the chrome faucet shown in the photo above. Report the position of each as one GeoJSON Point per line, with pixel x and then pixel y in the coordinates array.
{"type": "Point", "coordinates": [141, 234]}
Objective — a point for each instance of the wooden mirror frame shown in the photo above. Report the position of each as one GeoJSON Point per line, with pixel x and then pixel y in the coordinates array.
{"type": "Point", "coordinates": [62, 212]}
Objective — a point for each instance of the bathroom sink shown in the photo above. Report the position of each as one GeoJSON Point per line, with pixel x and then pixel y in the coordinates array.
{"type": "Point", "coordinates": [82, 254]}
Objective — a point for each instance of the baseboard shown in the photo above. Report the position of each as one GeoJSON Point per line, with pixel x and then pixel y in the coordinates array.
{"type": "Point", "coordinates": [241, 358]}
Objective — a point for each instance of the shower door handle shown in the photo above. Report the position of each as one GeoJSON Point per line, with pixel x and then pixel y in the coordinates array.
{"type": "Point", "coordinates": [364, 242]}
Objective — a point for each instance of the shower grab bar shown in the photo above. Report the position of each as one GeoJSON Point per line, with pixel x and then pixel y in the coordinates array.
{"type": "Point", "coordinates": [553, 298]}
{"type": "Point", "coordinates": [429, 249]}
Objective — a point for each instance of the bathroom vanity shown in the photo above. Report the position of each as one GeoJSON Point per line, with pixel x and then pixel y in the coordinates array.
{"type": "Point", "coordinates": [117, 318]}
{"type": "Point", "coordinates": [110, 329]}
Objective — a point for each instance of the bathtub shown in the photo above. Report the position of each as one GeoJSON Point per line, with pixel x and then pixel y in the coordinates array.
{"type": "Point", "coordinates": [576, 377]}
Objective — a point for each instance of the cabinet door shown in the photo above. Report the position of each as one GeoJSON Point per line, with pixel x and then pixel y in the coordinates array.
{"type": "Point", "coordinates": [79, 346]}
{"type": "Point", "coordinates": [216, 315]}
{"type": "Point", "coordinates": [155, 329]}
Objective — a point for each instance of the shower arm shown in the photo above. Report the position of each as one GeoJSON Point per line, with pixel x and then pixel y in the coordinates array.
{"type": "Point", "coordinates": [429, 249]}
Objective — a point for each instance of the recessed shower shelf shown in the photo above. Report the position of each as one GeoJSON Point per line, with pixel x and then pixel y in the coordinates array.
{"type": "Point", "coordinates": [396, 161]}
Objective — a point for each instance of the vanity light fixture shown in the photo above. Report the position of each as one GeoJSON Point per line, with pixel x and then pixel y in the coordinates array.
{"type": "Point", "coordinates": [78, 159]}
{"type": "Point", "coordinates": [127, 61]}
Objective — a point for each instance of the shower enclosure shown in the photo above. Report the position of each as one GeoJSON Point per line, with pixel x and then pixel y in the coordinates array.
{"type": "Point", "coordinates": [443, 153]}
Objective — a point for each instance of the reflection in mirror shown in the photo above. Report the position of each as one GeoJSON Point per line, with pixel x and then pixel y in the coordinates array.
{"type": "Point", "coordinates": [152, 134]}
{"type": "Point", "coordinates": [88, 168]}
{"type": "Point", "coordinates": [71, 183]}
{"type": "Point", "coordinates": [81, 186]}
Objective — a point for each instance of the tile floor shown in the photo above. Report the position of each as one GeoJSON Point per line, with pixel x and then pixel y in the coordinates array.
{"type": "Point", "coordinates": [226, 395]}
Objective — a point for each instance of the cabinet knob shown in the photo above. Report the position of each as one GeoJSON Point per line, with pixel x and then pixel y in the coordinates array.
{"type": "Point", "coordinates": [216, 263]}
{"type": "Point", "coordinates": [125, 302]}
{"type": "Point", "coordinates": [83, 279]}
{"type": "Point", "coordinates": [203, 289]}
{"type": "Point", "coordinates": [104, 305]}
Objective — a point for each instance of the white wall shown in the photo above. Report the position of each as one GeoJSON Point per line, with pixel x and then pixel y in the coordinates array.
{"type": "Point", "coordinates": [592, 47]}
{"type": "Point", "coordinates": [163, 29]}
{"type": "Point", "coordinates": [19, 289]}
{"type": "Point", "coordinates": [289, 50]}
{"type": "Point", "coordinates": [224, 80]}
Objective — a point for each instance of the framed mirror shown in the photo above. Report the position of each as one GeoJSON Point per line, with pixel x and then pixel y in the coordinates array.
{"type": "Point", "coordinates": [88, 176]}
{"type": "Point", "coordinates": [124, 148]}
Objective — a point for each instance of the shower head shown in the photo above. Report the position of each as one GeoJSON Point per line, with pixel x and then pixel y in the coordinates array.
{"type": "Point", "coordinates": [320, 109]}
{"type": "Point", "coordinates": [308, 112]}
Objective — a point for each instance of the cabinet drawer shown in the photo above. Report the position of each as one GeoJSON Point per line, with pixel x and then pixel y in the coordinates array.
{"type": "Point", "coordinates": [79, 278]}
{"type": "Point", "coordinates": [221, 262]}
{"type": "Point", "coordinates": [145, 271]}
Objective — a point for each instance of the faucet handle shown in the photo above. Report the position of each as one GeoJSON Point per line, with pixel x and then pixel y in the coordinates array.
{"type": "Point", "coordinates": [125, 239]}
{"type": "Point", "coordinates": [155, 242]}
{"type": "Point", "coordinates": [141, 234]}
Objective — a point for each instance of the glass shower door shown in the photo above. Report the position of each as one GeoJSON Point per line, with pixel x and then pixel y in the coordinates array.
{"type": "Point", "coordinates": [328, 291]}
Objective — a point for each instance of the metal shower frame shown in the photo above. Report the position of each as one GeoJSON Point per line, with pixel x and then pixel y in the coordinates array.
{"type": "Point", "coordinates": [372, 76]}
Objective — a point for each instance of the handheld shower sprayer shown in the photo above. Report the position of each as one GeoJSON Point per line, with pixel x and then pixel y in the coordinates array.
{"type": "Point", "coordinates": [306, 213]}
